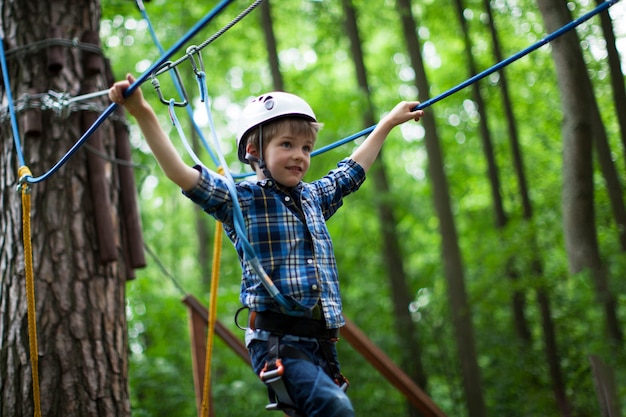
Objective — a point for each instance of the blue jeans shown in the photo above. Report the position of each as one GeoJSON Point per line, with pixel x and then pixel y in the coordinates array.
{"type": "Point", "coordinates": [311, 389]}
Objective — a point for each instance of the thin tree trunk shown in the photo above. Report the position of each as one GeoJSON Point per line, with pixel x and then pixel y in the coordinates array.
{"type": "Point", "coordinates": [579, 129]}
{"type": "Point", "coordinates": [485, 134]}
{"type": "Point", "coordinates": [270, 40]}
{"type": "Point", "coordinates": [79, 265]}
{"type": "Point", "coordinates": [518, 302]}
{"type": "Point", "coordinates": [542, 293]}
{"type": "Point", "coordinates": [617, 75]}
{"type": "Point", "coordinates": [410, 345]}
{"type": "Point", "coordinates": [451, 254]}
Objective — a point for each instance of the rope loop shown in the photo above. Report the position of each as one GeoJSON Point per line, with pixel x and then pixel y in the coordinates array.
{"type": "Point", "coordinates": [23, 174]}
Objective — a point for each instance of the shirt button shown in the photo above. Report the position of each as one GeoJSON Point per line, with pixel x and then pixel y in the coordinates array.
{"type": "Point", "coordinates": [314, 287]}
{"type": "Point", "coordinates": [309, 261]}
{"type": "Point", "coordinates": [287, 198]}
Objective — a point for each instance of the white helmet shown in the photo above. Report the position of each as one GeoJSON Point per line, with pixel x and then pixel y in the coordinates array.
{"type": "Point", "coordinates": [268, 107]}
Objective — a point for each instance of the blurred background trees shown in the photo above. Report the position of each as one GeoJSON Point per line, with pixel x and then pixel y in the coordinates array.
{"type": "Point", "coordinates": [485, 252]}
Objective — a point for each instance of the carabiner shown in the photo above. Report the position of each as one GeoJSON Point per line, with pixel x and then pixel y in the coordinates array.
{"type": "Point", "coordinates": [157, 85]}
{"type": "Point", "coordinates": [198, 66]}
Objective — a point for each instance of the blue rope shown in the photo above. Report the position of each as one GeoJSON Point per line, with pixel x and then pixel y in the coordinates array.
{"type": "Point", "coordinates": [177, 84]}
{"type": "Point", "coordinates": [289, 305]}
{"type": "Point", "coordinates": [192, 32]}
{"type": "Point", "coordinates": [181, 133]}
{"type": "Point", "coordinates": [600, 8]}
{"type": "Point", "coordinates": [566, 28]}
{"type": "Point", "coordinates": [7, 88]}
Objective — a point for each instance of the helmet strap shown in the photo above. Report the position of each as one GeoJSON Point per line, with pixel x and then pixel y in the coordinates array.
{"type": "Point", "coordinates": [259, 160]}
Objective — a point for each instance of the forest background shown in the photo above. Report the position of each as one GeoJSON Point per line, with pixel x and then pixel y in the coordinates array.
{"type": "Point", "coordinates": [315, 62]}
{"type": "Point", "coordinates": [502, 237]}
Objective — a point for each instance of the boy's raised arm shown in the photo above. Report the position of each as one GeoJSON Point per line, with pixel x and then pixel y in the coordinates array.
{"type": "Point", "coordinates": [162, 148]}
{"type": "Point", "coordinates": [366, 154]}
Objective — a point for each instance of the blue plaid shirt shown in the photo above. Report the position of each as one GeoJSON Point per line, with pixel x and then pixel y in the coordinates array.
{"type": "Point", "coordinates": [287, 229]}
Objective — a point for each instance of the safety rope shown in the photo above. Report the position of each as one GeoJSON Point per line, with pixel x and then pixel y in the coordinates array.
{"type": "Point", "coordinates": [212, 38]}
{"type": "Point", "coordinates": [505, 62]}
{"type": "Point", "coordinates": [36, 46]}
{"type": "Point", "coordinates": [61, 104]}
{"type": "Point", "coordinates": [109, 110]}
{"type": "Point", "coordinates": [30, 289]}
{"type": "Point", "coordinates": [22, 173]}
{"type": "Point", "coordinates": [177, 84]}
{"type": "Point", "coordinates": [289, 305]}
{"type": "Point", "coordinates": [215, 275]}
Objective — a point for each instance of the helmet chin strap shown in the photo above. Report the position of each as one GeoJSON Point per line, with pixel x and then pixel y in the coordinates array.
{"type": "Point", "coordinates": [259, 160]}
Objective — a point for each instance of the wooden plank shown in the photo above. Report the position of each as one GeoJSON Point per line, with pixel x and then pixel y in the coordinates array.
{"type": "Point", "coordinates": [198, 356]}
{"type": "Point", "coordinates": [390, 370]}
{"type": "Point", "coordinates": [221, 330]}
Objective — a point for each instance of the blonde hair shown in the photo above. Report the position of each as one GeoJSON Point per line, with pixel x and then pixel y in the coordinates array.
{"type": "Point", "coordinates": [297, 126]}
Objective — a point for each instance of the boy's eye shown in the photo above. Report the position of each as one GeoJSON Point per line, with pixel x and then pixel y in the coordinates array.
{"type": "Point", "coordinates": [307, 149]}
{"type": "Point", "coordinates": [286, 144]}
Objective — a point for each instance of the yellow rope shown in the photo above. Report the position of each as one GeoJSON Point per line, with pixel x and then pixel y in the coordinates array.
{"type": "Point", "coordinates": [30, 288]}
{"type": "Point", "coordinates": [215, 275]}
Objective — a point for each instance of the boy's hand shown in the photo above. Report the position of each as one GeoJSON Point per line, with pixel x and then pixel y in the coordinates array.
{"type": "Point", "coordinates": [134, 103]}
{"type": "Point", "coordinates": [403, 112]}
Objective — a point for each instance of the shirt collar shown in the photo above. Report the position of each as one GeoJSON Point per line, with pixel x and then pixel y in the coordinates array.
{"type": "Point", "coordinates": [270, 183]}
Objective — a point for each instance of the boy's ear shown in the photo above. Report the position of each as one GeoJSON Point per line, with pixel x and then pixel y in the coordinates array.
{"type": "Point", "coordinates": [251, 149]}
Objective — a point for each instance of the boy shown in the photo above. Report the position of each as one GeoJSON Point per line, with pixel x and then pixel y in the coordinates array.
{"type": "Point", "coordinates": [293, 352]}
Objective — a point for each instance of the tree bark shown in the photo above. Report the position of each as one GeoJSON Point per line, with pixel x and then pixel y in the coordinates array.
{"type": "Point", "coordinates": [580, 128]}
{"type": "Point", "coordinates": [79, 290]}
{"type": "Point", "coordinates": [270, 40]}
{"type": "Point", "coordinates": [617, 75]}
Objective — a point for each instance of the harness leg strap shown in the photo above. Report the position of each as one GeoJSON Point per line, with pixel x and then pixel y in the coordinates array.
{"type": "Point", "coordinates": [272, 374]}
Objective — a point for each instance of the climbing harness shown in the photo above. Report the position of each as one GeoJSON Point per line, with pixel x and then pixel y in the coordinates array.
{"type": "Point", "coordinates": [272, 373]}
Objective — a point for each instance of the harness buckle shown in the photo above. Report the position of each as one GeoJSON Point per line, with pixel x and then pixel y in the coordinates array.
{"type": "Point", "coordinates": [272, 375]}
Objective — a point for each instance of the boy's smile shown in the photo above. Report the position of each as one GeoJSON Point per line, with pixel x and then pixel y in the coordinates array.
{"type": "Point", "coordinates": [288, 157]}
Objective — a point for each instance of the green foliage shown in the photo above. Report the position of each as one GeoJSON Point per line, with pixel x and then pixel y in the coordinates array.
{"type": "Point", "coordinates": [314, 56]}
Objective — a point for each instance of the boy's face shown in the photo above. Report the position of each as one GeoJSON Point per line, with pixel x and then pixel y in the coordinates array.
{"type": "Point", "coordinates": [288, 157]}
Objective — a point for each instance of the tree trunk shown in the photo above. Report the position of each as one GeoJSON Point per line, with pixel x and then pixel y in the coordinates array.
{"type": "Point", "coordinates": [485, 134]}
{"type": "Point", "coordinates": [79, 265]}
{"type": "Point", "coordinates": [617, 75]}
{"type": "Point", "coordinates": [451, 254]}
{"type": "Point", "coordinates": [579, 126]}
{"type": "Point", "coordinates": [270, 40]}
{"type": "Point", "coordinates": [407, 336]}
